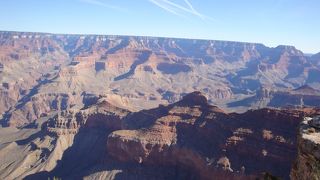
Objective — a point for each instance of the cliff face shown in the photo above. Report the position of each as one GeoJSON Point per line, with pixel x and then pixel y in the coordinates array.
{"type": "Point", "coordinates": [187, 139]}
{"type": "Point", "coordinates": [55, 142]}
{"type": "Point", "coordinates": [101, 115]}
{"type": "Point", "coordinates": [316, 59]}
{"type": "Point", "coordinates": [205, 140]}
{"type": "Point", "coordinates": [68, 95]}
{"type": "Point", "coordinates": [41, 73]}
{"type": "Point", "coordinates": [307, 164]}
{"type": "Point", "coordinates": [304, 96]}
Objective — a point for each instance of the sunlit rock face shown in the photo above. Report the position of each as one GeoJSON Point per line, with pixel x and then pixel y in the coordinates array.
{"type": "Point", "coordinates": [209, 142]}
{"type": "Point", "coordinates": [187, 139]}
{"type": "Point", "coordinates": [307, 164]}
{"type": "Point", "coordinates": [95, 106]}
{"type": "Point", "coordinates": [42, 73]}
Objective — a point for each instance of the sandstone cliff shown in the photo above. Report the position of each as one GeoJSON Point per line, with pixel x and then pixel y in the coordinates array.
{"type": "Point", "coordinates": [40, 69]}
{"type": "Point", "coordinates": [187, 139]}
{"type": "Point", "coordinates": [209, 142]}
{"type": "Point", "coordinates": [67, 94]}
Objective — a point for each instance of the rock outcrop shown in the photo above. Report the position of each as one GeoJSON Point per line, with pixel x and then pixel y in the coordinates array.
{"type": "Point", "coordinates": [303, 96]}
{"type": "Point", "coordinates": [187, 139]}
{"type": "Point", "coordinates": [101, 115]}
{"type": "Point", "coordinates": [307, 165]}
{"type": "Point", "coordinates": [205, 140]}
{"type": "Point", "coordinates": [166, 141]}
{"type": "Point", "coordinates": [65, 84]}
{"type": "Point", "coordinates": [147, 71]}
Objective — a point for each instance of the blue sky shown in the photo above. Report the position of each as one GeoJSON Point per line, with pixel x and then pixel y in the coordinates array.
{"type": "Point", "coordinates": [271, 22]}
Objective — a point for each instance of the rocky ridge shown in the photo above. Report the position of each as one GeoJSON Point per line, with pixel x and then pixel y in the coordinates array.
{"type": "Point", "coordinates": [93, 106]}
{"type": "Point", "coordinates": [42, 73]}
{"type": "Point", "coordinates": [189, 138]}
{"type": "Point", "coordinates": [182, 136]}
{"type": "Point", "coordinates": [307, 165]}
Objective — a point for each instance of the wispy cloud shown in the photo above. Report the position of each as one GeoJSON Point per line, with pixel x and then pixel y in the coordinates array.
{"type": "Point", "coordinates": [102, 4]}
{"type": "Point", "coordinates": [178, 9]}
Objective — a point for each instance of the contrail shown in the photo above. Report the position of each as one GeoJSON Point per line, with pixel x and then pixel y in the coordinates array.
{"type": "Point", "coordinates": [102, 4]}
{"type": "Point", "coordinates": [177, 9]}
{"type": "Point", "coordinates": [165, 7]}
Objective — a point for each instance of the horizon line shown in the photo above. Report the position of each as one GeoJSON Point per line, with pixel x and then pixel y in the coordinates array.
{"type": "Point", "coordinates": [151, 36]}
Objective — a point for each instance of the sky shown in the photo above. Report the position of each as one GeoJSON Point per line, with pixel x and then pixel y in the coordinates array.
{"type": "Point", "coordinates": [271, 22]}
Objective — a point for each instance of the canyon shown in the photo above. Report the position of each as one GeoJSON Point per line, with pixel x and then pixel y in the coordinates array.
{"type": "Point", "coordinates": [189, 138]}
{"type": "Point", "coordinates": [128, 107]}
{"type": "Point", "coordinates": [41, 73]}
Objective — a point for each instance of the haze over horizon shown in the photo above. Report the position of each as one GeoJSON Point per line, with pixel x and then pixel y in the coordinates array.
{"type": "Point", "coordinates": [273, 23]}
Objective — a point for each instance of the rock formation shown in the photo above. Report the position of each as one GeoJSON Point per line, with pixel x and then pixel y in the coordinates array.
{"type": "Point", "coordinates": [96, 106]}
{"type": "Point", "coordinates": [193, 135]}
{"type": "Point", "coordinates": [101, 115]}
{"type": "Point", "coordinates": [307, 164]}
{"type": "Point", "coordinates": [304, 96]}
{"type": "Point", "coordinates": [189, 138]}
{"type": "Point", "coordinates": [148, 71]}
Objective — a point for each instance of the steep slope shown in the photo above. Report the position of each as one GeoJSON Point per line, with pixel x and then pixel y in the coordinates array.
{"type": "Point", "coordinates": [25, 64]}
{"type": "Point", "coordinates": [307, 164]}
{"type": "Point", "coordinates": [193, 135]}
{"type": "Point", "coordinates": [43, 73]}
{"type": "Point", "coordinates": [58, 141]}
{"type": "Point", "coordinates": [304, 96]}
{"type": "Point", "coordinates": [316, 59]}
{"type": "Point", "coordinates": [187, 139]}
